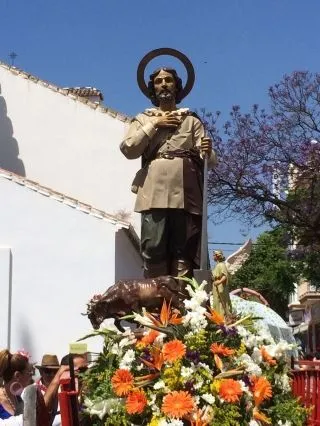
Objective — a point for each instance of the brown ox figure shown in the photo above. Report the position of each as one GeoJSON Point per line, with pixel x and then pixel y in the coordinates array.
{"type": "Point", "coordinates": [126, 296]}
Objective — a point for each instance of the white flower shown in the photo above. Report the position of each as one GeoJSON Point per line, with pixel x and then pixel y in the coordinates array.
{"type": "Point", "coordinates": [116, 350]}
{"type": "Point", "coordinates": [186, 372]}
{"type": "Point", "coordinates": [196, 320]}
{"type": "Point", "coordinates": [251, 367]}
{"type": "Point", "coordinates": [154, 406]}
{"type": "Point", "coordinates": [142, 319]}
{"type": "Point", "coordinates": [244, 387]}
{"type": "Point", "coordinates": [210, 399]}
{"type": "Point", "coordinates": [127, 341]}
{"type": "Point", "coordinates": [198, 385]}
{"type": "Point", "coordinates": [159, 385]}
{"type": "Point", "coordinates": [101, 408]}
{"type": "Point", "coordinates": [256, 355]}
{"type": "Point", "coordinates": [278, 350]}
{"type": "Point", "coordinates": [159, 339]}
{"type": "Point", "coordinates": [287, 423]}
{"type": "Point", "coordinates": [254, 423]}
{"type": "Point", "coordinates": [243, 332]}
{"type": "Point", "coordinates": [283, 382]}
{"type": "Point", "coordinates": [127, 359]}
{"type": "Point", "coordinates": [204, 366]}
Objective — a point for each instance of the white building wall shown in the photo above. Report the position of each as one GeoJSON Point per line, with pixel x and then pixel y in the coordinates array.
{"type": "Point", "coordinates": [64, 144]}
{"type": "Point", "coordinates": [61, 257]}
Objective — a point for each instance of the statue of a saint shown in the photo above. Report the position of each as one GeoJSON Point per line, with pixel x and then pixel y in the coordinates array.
{"type": "Point", "coordinates": [172, 144]}
{"type": "Point", "coordinates": [221, 280]}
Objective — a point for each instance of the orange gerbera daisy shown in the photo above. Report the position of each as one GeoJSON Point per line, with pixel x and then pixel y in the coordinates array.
{"type": "Point", "coordinates": [266, 357]}
{"type": "Point", "coordinates": [221, 349]}
{"type": "Point", "coordinates": [122, 382]}
{"type": "Point", "coordinates": [261, 389]}
{"type": "Point", "coordinates": [150, 337]}
{"type": "Point", "coordinates": [230, 390]}
{"type": "Point", "coordinates": [174, 350]}
{"type": "Point", "coordinates": [215, 317]}
{"type": "Point", "coordinates": [177, 404]}
{"type": "Point", "coordinates": [136, 402]}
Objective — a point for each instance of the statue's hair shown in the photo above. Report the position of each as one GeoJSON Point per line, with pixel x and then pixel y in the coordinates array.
{"type": "Point", "coordinates": [179, 87]}
{"type": "Point", "coordinates": [219, 254]}
{"type": "Point", "coordinates": [10, 363]}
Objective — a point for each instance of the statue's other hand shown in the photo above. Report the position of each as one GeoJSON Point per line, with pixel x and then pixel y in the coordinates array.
{"type": "Point", "coordinates": [206, 145]}
{"type": "Point", "coordinates": [167, 121]}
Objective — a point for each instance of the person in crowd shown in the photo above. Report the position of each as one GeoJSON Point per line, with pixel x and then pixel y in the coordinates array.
{"type": "Point", "coordinates": [47, 369]}
{"type": "Point", "coordinates": [316, 356]}
{"type": "Point", "coordinates": [16, 373]}
{"type": "Point", "coordinates": [80, 362]}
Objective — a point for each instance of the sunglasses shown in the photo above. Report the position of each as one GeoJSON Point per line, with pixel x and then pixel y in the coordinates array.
{"type": "Point", "coordinates": [81, 369]}
{"type": "Point", "coordinates": [49, 371]}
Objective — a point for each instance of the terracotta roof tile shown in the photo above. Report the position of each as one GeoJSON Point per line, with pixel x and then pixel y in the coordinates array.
{"type": "Point", "coordinates": [85, 92]}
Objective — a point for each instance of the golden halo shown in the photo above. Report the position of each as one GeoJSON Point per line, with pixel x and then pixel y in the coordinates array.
{"type": "Point", "coordinates": [171, 52]}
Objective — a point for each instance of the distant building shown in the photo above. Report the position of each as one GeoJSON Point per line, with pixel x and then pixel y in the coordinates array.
{"type": "Point", "coordinates": [65, 139]}
{"type": "Point", "coordinates": [66, 210]}
{"type": "Point", "coordinates": [55, 254]}
{"type": "Point", "coordinates": [304, 304]}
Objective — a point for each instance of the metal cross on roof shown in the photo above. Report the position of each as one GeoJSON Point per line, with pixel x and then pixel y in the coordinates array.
{"type": "Point", "coordinates": [13, 56]}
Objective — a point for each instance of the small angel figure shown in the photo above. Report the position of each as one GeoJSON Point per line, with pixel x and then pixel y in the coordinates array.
{"type": "Point", "coordinates": [221, 275]}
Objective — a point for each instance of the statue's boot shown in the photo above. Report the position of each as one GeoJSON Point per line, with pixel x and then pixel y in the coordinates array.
{"type": "Point", "coordinates": [181, 268]}
{"type": "Point", "coordinates": [153, 270]}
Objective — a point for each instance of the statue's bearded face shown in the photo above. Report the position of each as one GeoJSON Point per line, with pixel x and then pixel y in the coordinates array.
{"type": "Point", "coordinates": [165, 86]}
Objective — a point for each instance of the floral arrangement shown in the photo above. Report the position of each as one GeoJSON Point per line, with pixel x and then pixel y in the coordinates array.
{"type": "Point", "coordinates": [193, 368]}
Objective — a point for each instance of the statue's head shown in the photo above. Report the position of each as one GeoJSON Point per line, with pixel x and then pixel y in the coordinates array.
{"type": "Point", "coordinates": [218, 255]}
{"type": "Point", "coordinates": [165, 84]}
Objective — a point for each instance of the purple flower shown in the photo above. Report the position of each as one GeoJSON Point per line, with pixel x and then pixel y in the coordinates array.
{"type": "Point", "coordinates": [229, 331]}
{"type": "Point", "coordinates": [189, 386]}
{"type": "Point", "coordinates": [246, 380]}
{"type": "Point", "coordinates": [146, 355]}
{"type": "Point", "coordinates": [193, 356]}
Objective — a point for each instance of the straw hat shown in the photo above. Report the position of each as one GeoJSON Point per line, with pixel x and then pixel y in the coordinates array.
{"type": "Point", "coordinates": [49, 361]}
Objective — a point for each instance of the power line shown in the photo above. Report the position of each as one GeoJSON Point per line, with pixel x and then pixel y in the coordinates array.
{"type": "Point", "coordinates": [227, 244]}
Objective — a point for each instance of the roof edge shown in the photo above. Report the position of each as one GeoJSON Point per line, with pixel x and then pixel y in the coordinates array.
{"type": "Point", "coordinates": [66, 92]}
{"type": "Point", "coordinates": [68, 201]}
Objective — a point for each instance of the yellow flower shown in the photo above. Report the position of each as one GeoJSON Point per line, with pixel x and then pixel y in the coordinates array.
{"type": "Point", "coordinates": [172, 376]}
{"type": "Point", "coordinates": [215, 386]}
{"type": "Point", "coordinates": [155, 421]}
{"type": "Point", "coordinates": [242, 350]}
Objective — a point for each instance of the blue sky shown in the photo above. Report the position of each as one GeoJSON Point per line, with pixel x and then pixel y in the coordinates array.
{"type": "Point", "coordinates": [238, 47]}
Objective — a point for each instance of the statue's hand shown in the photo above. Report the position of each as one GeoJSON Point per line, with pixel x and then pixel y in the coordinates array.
{"type": "Point", "coordinates": [206, 146]}
{"type": "Point", "coordinates": [167, 121]}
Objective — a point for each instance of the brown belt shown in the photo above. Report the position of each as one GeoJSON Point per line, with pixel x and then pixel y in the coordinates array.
{"type": "Point", "coordinates": [166, 155]}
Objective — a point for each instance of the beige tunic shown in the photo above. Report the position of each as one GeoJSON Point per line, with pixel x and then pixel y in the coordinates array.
{"type": "Point", "coordinates": [161, 183]}
{"type": "Point", "coordinates": [220, 292]}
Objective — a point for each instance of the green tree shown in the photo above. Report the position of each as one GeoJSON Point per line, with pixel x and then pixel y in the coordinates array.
{"type": "Point", "coordinates": [269, 270]}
